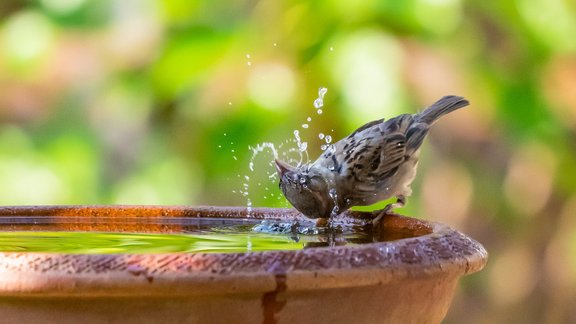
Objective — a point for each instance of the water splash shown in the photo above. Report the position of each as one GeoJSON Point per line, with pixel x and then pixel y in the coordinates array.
{"type": "Point", "coordinates": [248, 207]}
{"type": "Point", "coordinates": [334, 196]}
{"type": "Point", "coordinates": [259, 149]}
{"type": "Point", "coordinates": [301, 146]}
{"type": "Point", "coordinates": [296, 153]}
{"type": "Point", "coordinates": [331, 148]}
{"type": "Point", "coordinates": [246, 185]}
{"type": "Point", "coordinates": [319, 102]}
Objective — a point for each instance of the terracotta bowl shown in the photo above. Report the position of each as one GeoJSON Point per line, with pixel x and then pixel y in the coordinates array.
{"type": "Point", "coordinates": [410, 280]}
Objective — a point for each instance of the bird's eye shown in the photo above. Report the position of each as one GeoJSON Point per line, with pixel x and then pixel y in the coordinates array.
{"type": "Point", "coordinates": [302, 180]}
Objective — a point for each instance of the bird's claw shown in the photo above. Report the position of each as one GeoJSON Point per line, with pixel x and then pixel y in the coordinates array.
{"type": "Point", "coordinates": [400, 202]}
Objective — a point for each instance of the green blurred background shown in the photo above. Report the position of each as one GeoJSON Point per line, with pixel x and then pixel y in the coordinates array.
{"type": "Point", "coordinates": [157, 101]}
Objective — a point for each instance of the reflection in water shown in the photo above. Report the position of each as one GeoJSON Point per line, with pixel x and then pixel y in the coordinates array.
{"type": "Point", "coordinates": [179, 235]}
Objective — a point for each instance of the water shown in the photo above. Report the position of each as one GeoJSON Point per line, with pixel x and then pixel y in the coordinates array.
{"type": "Point", "coordinates": [319, 102]}
{"type": "Point", "coordinates": [171, 235]}
{"type": "Point", "coordinates": [295, 156]}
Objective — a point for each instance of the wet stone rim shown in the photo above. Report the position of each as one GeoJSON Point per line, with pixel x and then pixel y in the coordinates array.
{"type": "Point", "coordinates": [434, 249]}
{"type": "Point", "coordinates": [440, 252]}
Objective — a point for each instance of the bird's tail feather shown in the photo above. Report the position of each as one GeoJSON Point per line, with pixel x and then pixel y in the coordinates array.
{"type": "Point", "coordinates": [440, 108]}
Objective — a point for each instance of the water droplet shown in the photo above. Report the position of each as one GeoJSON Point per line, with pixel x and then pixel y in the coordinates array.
{"type": "Point", "coordinates": [303, 146]}
{"type": "Point", "coordinates": [229, 103]}
{"type": "Point", "coordinates": [275, 44]}
{"type": "Point", "coordinates": [224, 134]}
{"type": "Point", "coordinates": [302, 180]}
{"type": "Point", "coordinates": [318, 103]}
{"type": "Point", "coordinates": [219, 146]}
{"type": "Point", "coordinates": [247, 178]}
{"type": "Point", "coordinates": [332, 193]}
{"type": "Point", "coordinates": [321, 135]}
{"type": "Point", "coordinates": [304, 125]}
{"type": "Point", "coordinates": [319, 111]}
{"type": "Point", "coordinates": [249, 63]}
{"type": "Point", "coordinates": [309, 119]}
{"type": "Point", "coordinates": [322, 91]}
{"type": "Point", "coordinates": [328, 139]}
{"type": "Point", "coordinates": [323, 147]}
{"type": "Point", "coordinates": [331, 49]}
{"type": "Point", "coordinates": [249, 206]}
{"type": "Point", "coordinates": [234, 157]}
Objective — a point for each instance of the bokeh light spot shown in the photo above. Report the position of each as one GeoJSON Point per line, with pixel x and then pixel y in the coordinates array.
{"type": "Point", "coordinates": [512, 275]}
{"type": "Point", "coordinates": [367, 67]}
{"type": "Point", "coordinates": [272, 85]}
{"type": "Point", "coordinates": [438, 16]}
{"type": "Point", "coordinates": [63, 6]}
{"type": "Point", "coordinates": [27, 36]}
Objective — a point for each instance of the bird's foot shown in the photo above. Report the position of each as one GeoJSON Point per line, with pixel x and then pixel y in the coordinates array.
{"type": "Point", "coordinates": [400, 202]}
{"type": "Point", "coordinates": [295, 227]}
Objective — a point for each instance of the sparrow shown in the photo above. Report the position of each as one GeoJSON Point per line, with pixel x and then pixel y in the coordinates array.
{"type": "Point", "coordinates": [376, 162]}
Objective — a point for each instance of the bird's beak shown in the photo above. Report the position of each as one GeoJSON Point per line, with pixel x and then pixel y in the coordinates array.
{"type": "Point", "coordinates": [283, 167]}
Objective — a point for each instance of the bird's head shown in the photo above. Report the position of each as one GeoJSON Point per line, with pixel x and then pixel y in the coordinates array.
{"type": "Point", "coordinates": [306, 189]}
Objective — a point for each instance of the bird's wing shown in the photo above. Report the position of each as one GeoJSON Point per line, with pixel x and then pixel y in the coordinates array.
{"type": "Point", "coordinates": [377, 158]}
{"type": "Point", "coordinates": [371, 154]}
{"type": "Point", "coordinates": [365, 126]}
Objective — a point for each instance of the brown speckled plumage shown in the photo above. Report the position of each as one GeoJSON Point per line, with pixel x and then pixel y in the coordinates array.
{"type": "Point", "coordinates": [376, 162]}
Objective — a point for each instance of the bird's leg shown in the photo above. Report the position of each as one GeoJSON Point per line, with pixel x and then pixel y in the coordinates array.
{"type": "Point", "coordinates": [400, 202]}
{"type": "Point", "coordinates": [294, 227]}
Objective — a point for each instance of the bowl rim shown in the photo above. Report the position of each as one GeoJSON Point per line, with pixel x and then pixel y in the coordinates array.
{"type": "Point", "coordinates": [444, 252]}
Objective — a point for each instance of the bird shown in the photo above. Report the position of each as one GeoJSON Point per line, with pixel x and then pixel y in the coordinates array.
{"type": "Point", "coordinates": [377, 161]}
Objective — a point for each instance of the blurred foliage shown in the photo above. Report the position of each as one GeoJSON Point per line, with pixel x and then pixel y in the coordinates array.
{"type": "Point", "coordinates": [156, 102]}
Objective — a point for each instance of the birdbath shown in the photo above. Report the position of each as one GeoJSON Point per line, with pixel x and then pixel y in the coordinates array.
{"type": "Point", "coordinates": [406, 280]}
